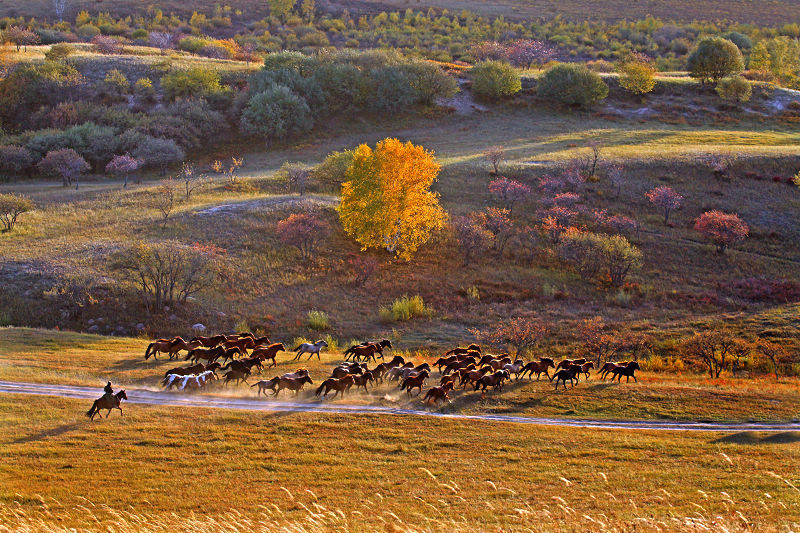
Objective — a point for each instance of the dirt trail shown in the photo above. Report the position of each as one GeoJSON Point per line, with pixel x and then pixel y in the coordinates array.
{"type": "Point", "coordinates": [151, 397]}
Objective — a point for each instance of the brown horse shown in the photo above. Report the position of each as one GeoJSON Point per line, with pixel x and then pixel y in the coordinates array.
{"type": "Point", "coordinates": [348, 368]}
{"type": "Point", "coordinates": [107, 401]}
{"type": "Point", "coordinates": [458, 365]}
{"type": "Point", "coordinates": [269, 352]}
{"type": "Point", "coordinates": [209, 342]}
{"type": "Point", "coordinates": [237, 376]}
{"type": "Point", "coordinates": [266, 384]}
{"type": "Point", "coordinates": [448, 378]}
{"type": "Point", "coordinates": [498, 364]}
{"type": "Point", "coordinates": [231, 353]}
{"type": "Point", "coordinates": [585, 368]}
{"type": "Point", "coordinates": [538, 367]}
{"type": "Point", "coordinates": [209, 354]}
{"type": "Point", "coordinates": [627, 371]}
{"type": "Point", "coordinates": [566, 362]}
{"type": "Point", "coordinates": [186, 370]}
{"type": "Point", "coordinates": [340, 385]}
{"type": "Point", "coordinates": [468, 378]}
{"type": "Point", "coordinates": [169, 346]}
{"type": "Point", "coordinates": [243, 365]}
{"type": "Point", "coordinates": [494, 380]}
{"type": "Point", "coordinates": [415, 380]}
{"type": "Point", "coordinates": [292, 384]}
{"type": "Point", "coordinates": [439, 393]}
{"type": "Point", "coordinates": [565, 374]}
{"type": "Point", "coordinates": [609, 366]}
{"type": "Point", "coordinates": [470, 348]}
{"type": "Point", "coordinates": [243, 343]}
{"type": "Point", "coordinates": [361, 380]}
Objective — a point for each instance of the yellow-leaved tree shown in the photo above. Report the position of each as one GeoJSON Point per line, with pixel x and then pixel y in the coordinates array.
{"type": "Point", "coordinates": [386, 198]}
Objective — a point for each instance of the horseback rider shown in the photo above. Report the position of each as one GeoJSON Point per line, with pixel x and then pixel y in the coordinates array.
{"type": "Point", "coordinates": [107, 389]}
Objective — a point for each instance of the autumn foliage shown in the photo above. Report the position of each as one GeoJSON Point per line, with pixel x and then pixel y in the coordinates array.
{"type": "Point", "coordinates": [387, 201]}
{"type": "Point", "coordinates": [722, 229]}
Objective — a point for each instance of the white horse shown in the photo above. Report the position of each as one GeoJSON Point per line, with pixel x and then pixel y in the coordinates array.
{"type": "Point", "coordinates": [515, 368]}
{"type": "Point", "coordinates": [310, 349]}
{"type": "Point", "coordinates": [192, 380]}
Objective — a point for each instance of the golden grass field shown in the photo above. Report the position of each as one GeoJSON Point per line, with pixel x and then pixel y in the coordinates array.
{"type": "Point", "coordinates": [158, 469]}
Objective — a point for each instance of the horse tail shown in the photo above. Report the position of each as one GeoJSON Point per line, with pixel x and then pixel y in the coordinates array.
{"type": "Point", "coordinates": [319, 389]}
{"type": "Point", "coordinates": [297, 348]}
{"type": "Point", "coordinates": [188, 355]}
{"type": "Point", "coordinates": [147, 351]}
{"type": "Point", "coordinates": [254, 384]}
{"type": "Point", "coordinates": [91, 411]}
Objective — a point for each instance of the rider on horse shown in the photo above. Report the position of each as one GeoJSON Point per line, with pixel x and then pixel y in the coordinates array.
{"type": "Point", "coordinates": [107, 389]}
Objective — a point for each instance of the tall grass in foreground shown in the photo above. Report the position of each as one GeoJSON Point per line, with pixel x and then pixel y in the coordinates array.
{"type": "Point", "coordinates": [508, 511]}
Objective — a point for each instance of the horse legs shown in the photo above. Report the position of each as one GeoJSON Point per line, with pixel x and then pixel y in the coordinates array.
{"type": "Point", "coordinates": [120, 411]}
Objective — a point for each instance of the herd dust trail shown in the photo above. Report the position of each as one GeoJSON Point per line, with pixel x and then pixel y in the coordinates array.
{"type": "Point", "coordinates": [151, 397]}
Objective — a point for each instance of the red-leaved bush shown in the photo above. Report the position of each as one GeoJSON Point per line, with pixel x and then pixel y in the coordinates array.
{"type": "Point", "coordinates": [665, 198]}
{"type": "Point", "coordinates": [722, 229]}
{"type": "Point", "coordinates": [303, 231]}
{"type": "Point", "coordinates": [509, 192]}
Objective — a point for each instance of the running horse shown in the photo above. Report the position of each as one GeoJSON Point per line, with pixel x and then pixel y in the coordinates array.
{"type": "Point", "coordinates": [310, 349]}
{"type": "Point", "coordinates": [107, 401]}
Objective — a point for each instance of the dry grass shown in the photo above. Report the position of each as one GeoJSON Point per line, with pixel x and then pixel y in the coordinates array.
{"type": "Point", "coordinates": [195, 470]}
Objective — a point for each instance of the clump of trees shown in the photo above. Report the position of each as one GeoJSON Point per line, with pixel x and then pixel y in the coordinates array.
{"type": "Point", "coordinates": [168, 272]}
{"type": "Point", "coordinates": [572, 84]}
{"type": "Point", "coordinates": [66, 164]}
{"type": "Point", "coordinates": [494, 80]}
{"type": "Point", "coordinates": [387, 201]}
{"type": "Point", "coordinates": [722, 229]}
{"type": "Point", "coordinates": [521, 333]}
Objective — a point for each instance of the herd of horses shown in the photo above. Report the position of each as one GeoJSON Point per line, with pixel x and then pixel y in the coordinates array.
{"type": "Point", "coordinates": [458, 368]}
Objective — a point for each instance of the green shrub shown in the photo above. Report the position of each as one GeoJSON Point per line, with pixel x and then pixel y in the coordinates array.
{"type": "Point", "coordinates": [276, 113]}
{"type": "Point", "coordinates": [116, 82]}
{"type": "Point", "coordinates": [144, 88]}
{"type": "Point", "coordinates": [715, 58]}
{"type": "Point", "coordinates": [637, 77]}
{"type": "Point", "coordinates": [739, 39]}
{"type": "Point", "coordinates": [405, 308]}
{"type": "Point", "coordinates": [196, 82]}
{"type": "Point", "coordinates": [331, 172]}
{"type": "Point", "coordinates": [59, 52]}
{"type": "Point", "coordinates": [572, 84]}
{"type": "Point", "coordinates": [607, 258]}
{"type": "Point", "coordinates": [493, 80]}
{"type": "Point", "coordinates": [88, 32]}
{"type": "Point", "coordinates": [318, 320]}
{"type": "Point", "coordinates": [735, 89]}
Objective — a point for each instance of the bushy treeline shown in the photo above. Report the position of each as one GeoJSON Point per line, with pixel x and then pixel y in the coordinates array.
{"type": "Point", "coordinates": [293, 90]}
{"type": "Point", "coordinates": [434, 34]}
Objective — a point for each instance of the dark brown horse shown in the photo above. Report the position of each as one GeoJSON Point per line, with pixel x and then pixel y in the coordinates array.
{"type": "Point", "coordinates": [209, 354]}
{"type": "Point", "coordinates": [186, 370]}
{"type": "Point", "coordinates": [292, 384]}
{"type": "Point", "coordinates": [209, 342]}
{"type": "Point", "coordinates": [494, 380]}
{"type": "Point", "coordinates": [609, 366]}
{"type": "Point", "coordinates": [170, 347]}
{"type": "Point", "coordinates": [570, 373]}
{"type": "Point", "coordinates": [237, 376]}
{"type": "Point", "coordinates": [439, 393]}
{"type": "Point", "coordinates": [627, 371]}
{"type": "Point", "coordinates": [243, 343]}
{"type": "Point", "coordinates": [107, 401]}
{"type": "Point", "coordinates": [567, 362]}
{"type": "Point", "coordinates": [470, 348]}
{"type": "Point", "coordinates": [340, 385]}
{"type": "Point", "coordinates": [538, 367]}
{"type": "Point", "coordinates": [415, 380]}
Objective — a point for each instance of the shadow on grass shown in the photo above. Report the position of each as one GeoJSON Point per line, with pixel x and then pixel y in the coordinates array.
{"type": "Point", "coordinates": [54, 432]}
{"type": "Point", "coordinates": [751, 437]}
